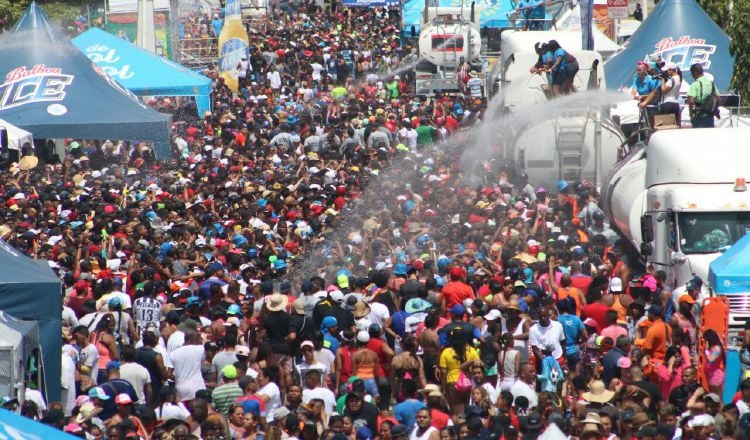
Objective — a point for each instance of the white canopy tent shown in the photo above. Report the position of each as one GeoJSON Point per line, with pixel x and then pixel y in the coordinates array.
{"type": "Point", "coordinates": [16, 136]}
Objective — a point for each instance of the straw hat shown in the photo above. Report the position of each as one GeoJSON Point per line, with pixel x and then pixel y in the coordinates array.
{"type": "Point", "coordinates": [277, 302]}
{"type": "Point", "coordinates": [87, 411]}
{"type": "Point", "coordinates": [361, 309]}
{"type": "Point", "coordinates": [598, 393]}
{"type": "Point", "coordinates": [28, 162]}
{"type": "Point", "coordinates": [513, 305]}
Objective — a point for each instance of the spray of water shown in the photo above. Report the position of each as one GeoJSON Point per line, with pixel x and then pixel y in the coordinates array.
{"type": "Point", "coordinates": [496, 134]}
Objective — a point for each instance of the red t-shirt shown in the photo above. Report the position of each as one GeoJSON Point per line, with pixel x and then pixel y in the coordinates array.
{"type": "Point", "coordinates": [439, 419]}
{"type": "Point", "coordinates": [596, 311]}
{"type": "Point", "coordinates": [455, 292]}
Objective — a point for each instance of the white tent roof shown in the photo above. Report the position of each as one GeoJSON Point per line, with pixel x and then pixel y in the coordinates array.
{"type": "Point", "coordinates": [16, 136]}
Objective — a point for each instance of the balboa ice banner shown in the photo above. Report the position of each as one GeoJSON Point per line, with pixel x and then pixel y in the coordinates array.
{"type": "Point", "coordinates": [369, 3]}
{"type": "Point", "coordinates": [233, 44]}
{"type": "Point", "coordinates": [685, 51]}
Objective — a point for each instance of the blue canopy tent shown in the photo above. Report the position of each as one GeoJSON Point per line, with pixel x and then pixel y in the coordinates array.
{"type": "Point", "coordinates": [16, 426]}
{"type": "Point", "coordinates": [729, 274]}
{"type": "Point", "coordinates": [54, 91]}
{"type": "Point", "coordinates": [680, 32]}
{"type": "Point", "coordinates": [140, 71]}
{"type": "Point", "coordinates": [29, 290]}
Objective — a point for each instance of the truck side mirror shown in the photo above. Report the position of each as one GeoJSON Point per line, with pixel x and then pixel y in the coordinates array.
{"type": "Point", "coordinates": [647, 229]}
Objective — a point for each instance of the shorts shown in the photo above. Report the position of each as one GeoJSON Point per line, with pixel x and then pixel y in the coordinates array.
{"type": "Point", "coordinates": [572, 360]}
{"type": "Point", "coordinates": [371, 387]}
{"type": "Point", "coordinates": [559, 77]}
{"type": "Point", "coordinates": [285, 362]}
{"type": "Point", "coordinates": [454, 396]}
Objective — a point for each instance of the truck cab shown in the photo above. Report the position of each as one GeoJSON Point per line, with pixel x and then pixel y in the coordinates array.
{"type": "Point", "coordinates": [679, 202]}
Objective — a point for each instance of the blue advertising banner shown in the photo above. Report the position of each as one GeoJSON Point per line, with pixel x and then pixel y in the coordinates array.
{"type": "Point", "coordinates": [369, 3]}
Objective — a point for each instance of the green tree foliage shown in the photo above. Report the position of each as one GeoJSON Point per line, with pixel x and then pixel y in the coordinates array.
{"type": "Point", "coordinates": [11, 11]}
{"type": "Point", "coordinates": [740, 47]}
{"type": "Point", "coordinates": [719, 11]}
{"type": "Point", "coordinates": [734, 18]}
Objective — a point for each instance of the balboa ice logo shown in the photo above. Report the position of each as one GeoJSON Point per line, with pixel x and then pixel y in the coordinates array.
{"type": "Point", "coordinates": [39, 84]}
{"type": "Point", "coordinates": [685, 51]}
{"type": "Point", "coordinates": [231, 55]}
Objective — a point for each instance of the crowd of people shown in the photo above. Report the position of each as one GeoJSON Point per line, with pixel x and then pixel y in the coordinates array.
{"type": "Point", "coordinates": [315, 264]}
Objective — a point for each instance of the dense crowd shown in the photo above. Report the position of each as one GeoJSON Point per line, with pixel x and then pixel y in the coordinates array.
{"type": "Point", "coordinates": [315, 264]}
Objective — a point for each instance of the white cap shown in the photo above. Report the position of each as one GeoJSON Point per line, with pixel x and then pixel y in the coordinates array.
{"type": "Point", "coordinates": [615, 285]}
{"type": "Point", "coordinates": [337, 296]}
{"type": "Point", "coordinates": [363, 337]}
{"type": "Point", "coordinates": [701, 420]}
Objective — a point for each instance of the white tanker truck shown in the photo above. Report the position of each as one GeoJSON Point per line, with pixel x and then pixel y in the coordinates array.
{"type": "Point", "coordinates": [447, 36]}
{"type": "Point", "coordinates": [681, 201]}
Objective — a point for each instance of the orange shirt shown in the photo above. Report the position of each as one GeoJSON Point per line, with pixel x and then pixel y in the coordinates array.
{"type": "Point", "coordinates": [657, 337]}
{"type": "Point", "coordinates": [564, 292]}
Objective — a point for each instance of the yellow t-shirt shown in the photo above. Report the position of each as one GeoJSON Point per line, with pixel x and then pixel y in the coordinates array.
{"type": "Point", "coordinates": [452, 365]}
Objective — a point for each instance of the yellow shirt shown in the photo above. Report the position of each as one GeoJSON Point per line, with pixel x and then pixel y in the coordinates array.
{"type": "Point", "coordinates": [452, 365]}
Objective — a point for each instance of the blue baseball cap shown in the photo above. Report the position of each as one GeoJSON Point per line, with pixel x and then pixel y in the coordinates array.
{"type": "Point", "coordinates": [457, 309]}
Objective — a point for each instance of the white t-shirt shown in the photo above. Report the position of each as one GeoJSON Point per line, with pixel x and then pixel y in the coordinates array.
{"type": "Point", "coordinates": [172, 411]}
{"type": "Point", "coordinates": [69, 316]}
{"type": "Point", "coordinates": [274, 78]}
{"type": "Point", "coordinates": [90, 356]}
{"type": "Point", "coordinates": [303, 367]}
{"type": "Point", "coordinates": [326, 357]}
{"type": "Point", "coordinates": [324, 394]}
{"type": "Point", "coordinates": [316, 69]}
{"type": "Point", "coordinates": [378, 314]}
{"type": "Point", "coordinates": [187, 362]}
{"type": "Point", "coordinates": [521, 388]}
{"type": "Point", "coordinates": [674, 94]}
{"type": "Point", "coordinates": [103, 303]}
{"type": "Point", "coordinates": [549, 336]}
{"type": "Point", "coordinates": [274, 393]}
{"type": "Point", "coordinates": [138, 376]}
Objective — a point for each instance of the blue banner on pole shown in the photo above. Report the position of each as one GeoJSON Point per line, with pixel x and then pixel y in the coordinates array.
{"type": "Point", "coordinates": [587, 23]}
{"type": "Point", "coordinates": [369, 3]}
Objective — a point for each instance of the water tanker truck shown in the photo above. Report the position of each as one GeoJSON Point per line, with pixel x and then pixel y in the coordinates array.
{"type": "Point", "coordinates": [681, 201]}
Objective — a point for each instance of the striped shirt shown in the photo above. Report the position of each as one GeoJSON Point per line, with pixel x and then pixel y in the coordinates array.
{"type": "Point", "coordinates": [147, 312]}
{"type": "Point", "coordinates": [224, 395]}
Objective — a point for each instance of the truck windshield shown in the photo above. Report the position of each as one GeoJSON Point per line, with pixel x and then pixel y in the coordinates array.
{"type": "Point", "coordinates": [707, 232]}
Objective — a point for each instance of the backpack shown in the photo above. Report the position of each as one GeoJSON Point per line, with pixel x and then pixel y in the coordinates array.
{"type": "Point", "coordinates": [710, 104]}
{"type": "Point", "coordinates": [571, 64]}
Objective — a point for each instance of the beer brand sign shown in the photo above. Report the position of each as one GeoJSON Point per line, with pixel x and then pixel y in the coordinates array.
{"type": "Point", "coordinates": [685, 51]}
{"type": "Point", "coordinates": [39, 83]}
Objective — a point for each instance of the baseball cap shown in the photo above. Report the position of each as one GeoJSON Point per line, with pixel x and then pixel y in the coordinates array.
{"type": "Point", "coordinates": [457, 309]}
{"type": "Point", "coordinates": [685, 298]}
{"type": "Point", "coordinates": [123, 399]}
{"type": "Point", "coordinates": [343, 281]}
{"type": "Point", "coordinates": [98, 392]}
{"type": "Point", "coordinates": [337, 296]}
{"type": "Point", "coordinates": [307, 344]}
{"type": "Point", "coordinates": [229, 372]}
{"type": "Point", "coordinates": [701, 420]}
{"type": "Point", "coordinates": [113, 366]}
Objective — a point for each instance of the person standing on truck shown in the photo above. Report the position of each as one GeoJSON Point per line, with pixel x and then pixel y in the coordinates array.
{"type": "Point", "coordinates": [701, 115]}
{"type": "Point", "coordinates": [558, 70]}
{"type": "Point", "coordinates": [542, 65]}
